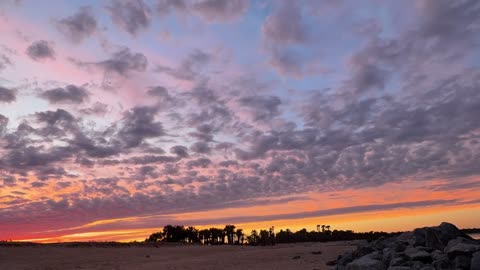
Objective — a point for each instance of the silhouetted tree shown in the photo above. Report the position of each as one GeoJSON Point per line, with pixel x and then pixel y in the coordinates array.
{"type": "Point", "coordinates": [205, 236]}
{"type": "Point", "coordinates": [217, 236]}
{"type": "Point", "coordinates": [229, 232]}
{"type": "Point", "coordinates": [264, 237]}
{"type": "Point", "coordinates": [154, 237]}
{"type": "Point", "coordinates": [239, 234]}
{"type": "Point", "coordinates": [253, 238]}
{"type": "Point", "coordinates": [174, 233]}
{"type": "Point", "coordinates": [271, 235]}
{"type": "Point", "coordinates": [192, 235]}
{"type": "Point", "coordinates": [214, 236]}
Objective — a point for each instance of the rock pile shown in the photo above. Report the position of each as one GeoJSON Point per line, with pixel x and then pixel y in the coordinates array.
{"type": "Point", "coordinates": [442, 247]}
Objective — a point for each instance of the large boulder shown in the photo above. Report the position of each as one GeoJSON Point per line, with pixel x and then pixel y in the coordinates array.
{"type": "Point", "coordinates": [462, 262]}
{"type": "Point", "coordinates": [432, 241]}
{"type": "Point", "coordinates": [416, 254]}
{"type": "Point", "coordinates": [437, 237]}
{"type": "Point", "coordinates": [475, 262]}
{"type": "Point", "coordinates": [366, 263]}
{"type": "Point", "coordinates": [461, 246]}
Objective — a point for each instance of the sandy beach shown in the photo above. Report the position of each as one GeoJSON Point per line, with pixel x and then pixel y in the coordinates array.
{"type": "Point", "coordinates": [174, 257]}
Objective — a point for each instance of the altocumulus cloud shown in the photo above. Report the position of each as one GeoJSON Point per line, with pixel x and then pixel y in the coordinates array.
{"type": "Point", "coordinates": [40, 50]}
{"type": "Point", "coordinates": [68, 94]}
{"type": "Point", "coordinates": [79, 26]}
{"type": "Point", "coordinates": [7, 95]}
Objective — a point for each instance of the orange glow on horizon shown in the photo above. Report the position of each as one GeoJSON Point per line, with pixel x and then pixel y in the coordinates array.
{"type": "Point", "coordinates": [389, 221]}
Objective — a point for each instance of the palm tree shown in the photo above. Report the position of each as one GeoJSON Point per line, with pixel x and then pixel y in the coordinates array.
{"type": "Point", "coordinates": [239, 234]}
{"type": "Point", "coordinates": [271, 233]}
{"type": "Point", "coordinates": [204, 236]}
{"type": "Point", "coordinates": [318, 228]}
{"type": "Point", "coordinates": [216, 234]}
{"type": "Point", "coordinates": [264, 237]}
{"type": "Point", "coordinates": [253, 238]}
{"type": "Point", "coordinates": [229, 232]}
{"type": "Point", "coordinates": [323, 228]}
{"type": "Point", "coordinates": [192, 234]}
{"type": "Point", "coordinates": [328, 228]}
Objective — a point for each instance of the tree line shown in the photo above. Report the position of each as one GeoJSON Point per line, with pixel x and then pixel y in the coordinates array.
{"type": "Point", "coordinates": [232, 235]}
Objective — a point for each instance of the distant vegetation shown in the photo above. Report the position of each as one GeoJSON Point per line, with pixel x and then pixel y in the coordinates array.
{"type": "Point", "coordinates": [471, 231]}
{"type": "Point", "coordinates": [233, 236]}
{"type": "Point", "coordinates": [230, 235]}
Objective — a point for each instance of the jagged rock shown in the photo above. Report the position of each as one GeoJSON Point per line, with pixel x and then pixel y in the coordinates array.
{"type": "Point", "coordinates": [399, 246]}
{"type": "Point", "coordinates": [416, 254]}
{"type": "Point", "coordinates": [406, 238]}
{"type": "Point", "coordinates": [440, 260]}
{"type": "Point", "coordinates": [419, 237]}
{"type": "Point", "coordinates": [362, 251]}
{"type": "Point", "coordinates": [475, 262]}
{"type": "Point", "coordinates": [448, 231]}
{"type": "Point", "coordinates": [376, 255]}
{"type": "Point", "coordinates": [442, 264]}
{"type": "Point", "coordinates": [432, 241]}
{"type": "Point", "coordinates": [344, 259]}
{"type": "Point", "coordinates": [438, 255]}
{"type": "Point", "coordinates": [462, 262]}
{"type": "Point", "coordinates": [397, 261]}
{"type": "Point", "coordinates": [380, 243]}
{"type": "Point", "coordinates": [387, 255]}
{"type": "Point", "coordinates": [366, 263]}
{"type": "Point", "coordinates": [436, 237]}
{"type": "Point", "coordinates": [461, 246]}
{"type": "Point", "coordinates": [443, 247]}
{"type": "Point", "coordinates": [415, 264]}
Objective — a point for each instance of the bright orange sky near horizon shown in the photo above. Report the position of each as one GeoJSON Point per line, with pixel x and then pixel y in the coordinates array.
{"type": "Point", "coordinates": [118, 117]}
{"type": "Point", "coordinates": [394, 218]}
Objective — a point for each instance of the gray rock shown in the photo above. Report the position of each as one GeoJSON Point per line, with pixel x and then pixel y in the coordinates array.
{"type": "Point", "coordinates": [438, 255]}
{"type": "Point", "coordinates": [432, 241]}
{"type": "Point", "coordinates": [450, 231]}
{"type": "Point", "coordinates": [475, 262]}
{"type": "Point", "coordinates": [387, 256]}
{"type": "Point", "coordinates": [415, 264]}
{"type": "Point", "coordinates": [436, 237]}
{"type": "Point", "coordinates": [362, 251]}
{"type": "Point", "coordinates": [399, 246]}
{"type": "Point", "coordinates": [416, 254]}
{"type": "Point", "coordinates": [443, 247]}
{"type": "Point", "coordinates": [407, 238]}
{"type": "Point", "coordinates": [442, 263]}
{"type": "Point", "coordinates": [344, 259]}
{"type": "Point", "coordinates": [461, 246]}
{"type": "Point", "coordinates": [366, 263]}
{"type": "Point", "coordinates": [380, 243]}
{"type": "Point", "coordinates": [376, 255]}
{"type": "Point", "coordinates": [397, 261]}
{"type": "Point", "coordinates": [419, 237]}
{"type": "Point", "coordinates": [462, 262]}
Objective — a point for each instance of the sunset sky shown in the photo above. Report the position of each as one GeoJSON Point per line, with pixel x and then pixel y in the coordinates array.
{"type": "Point", "coordinates": [118, 117]}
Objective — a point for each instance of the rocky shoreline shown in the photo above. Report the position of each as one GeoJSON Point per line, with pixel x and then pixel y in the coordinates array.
{"type": "Point", "coordinates": [442, 247]}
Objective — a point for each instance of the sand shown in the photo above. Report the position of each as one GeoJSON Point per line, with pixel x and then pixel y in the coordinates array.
{"type": "Point", "coordinates": [178, 257]}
